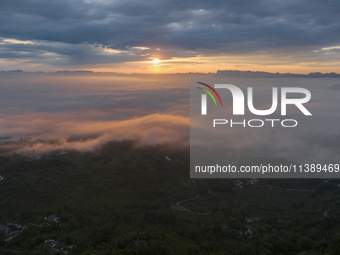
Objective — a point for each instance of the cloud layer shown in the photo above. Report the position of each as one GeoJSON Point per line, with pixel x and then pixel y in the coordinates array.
{"type": "Point", "coordinates": [53, 133]}
{"type": "Point", "coordinates": [79, 33]}
{"type": "Point", "coordinates": [82, 112]}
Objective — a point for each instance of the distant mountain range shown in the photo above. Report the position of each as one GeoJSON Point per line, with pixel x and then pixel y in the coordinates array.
{"type": "Point", "coordinates": [219, 73]}
{"type": "Point", "coordinates": [259, 74]}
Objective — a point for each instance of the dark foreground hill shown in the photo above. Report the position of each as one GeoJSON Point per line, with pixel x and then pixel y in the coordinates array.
{"type": "Point", "coordinates": [125, 198]}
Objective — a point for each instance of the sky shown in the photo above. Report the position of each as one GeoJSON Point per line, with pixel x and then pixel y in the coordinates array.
{"type": "Point", "coordinates": [82, 111]}
{"type": "Point", "coordinates": [170, 36]}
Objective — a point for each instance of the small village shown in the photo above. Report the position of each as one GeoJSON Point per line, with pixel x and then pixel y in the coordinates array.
{"type": "Point", "coordinates": [38, 156]}
{"type": "Point", "coordinates": [11, 230]}
{"type": "Point", "coordinates": [53, 247]}
{"type": "Point", "coordinates": [246, 181]}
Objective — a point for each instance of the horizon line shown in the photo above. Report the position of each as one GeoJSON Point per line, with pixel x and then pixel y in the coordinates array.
{"type": "Point", "coordinates": [209, 73]}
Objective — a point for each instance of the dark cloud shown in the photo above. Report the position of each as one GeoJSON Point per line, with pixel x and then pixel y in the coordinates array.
{"type": "Point", "coordinates": [83, 28]}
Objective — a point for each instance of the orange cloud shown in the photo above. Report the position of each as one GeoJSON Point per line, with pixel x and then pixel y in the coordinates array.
{"type": "Point", "coordinates": [73, 134]}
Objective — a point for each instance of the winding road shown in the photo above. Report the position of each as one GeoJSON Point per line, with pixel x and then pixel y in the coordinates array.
{"type": "Point", "coordinates": [181, 208]}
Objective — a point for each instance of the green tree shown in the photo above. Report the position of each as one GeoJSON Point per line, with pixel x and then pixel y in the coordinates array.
{"type": "Point", "coordinates": [104, 249]}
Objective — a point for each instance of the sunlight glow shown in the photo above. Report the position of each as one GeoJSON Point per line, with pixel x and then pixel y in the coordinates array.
{"type": "Point", "coordinates": [156, 61]}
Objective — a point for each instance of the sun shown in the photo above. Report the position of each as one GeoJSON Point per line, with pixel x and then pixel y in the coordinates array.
{"type": "Point", "coordinates": [156, 61]}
